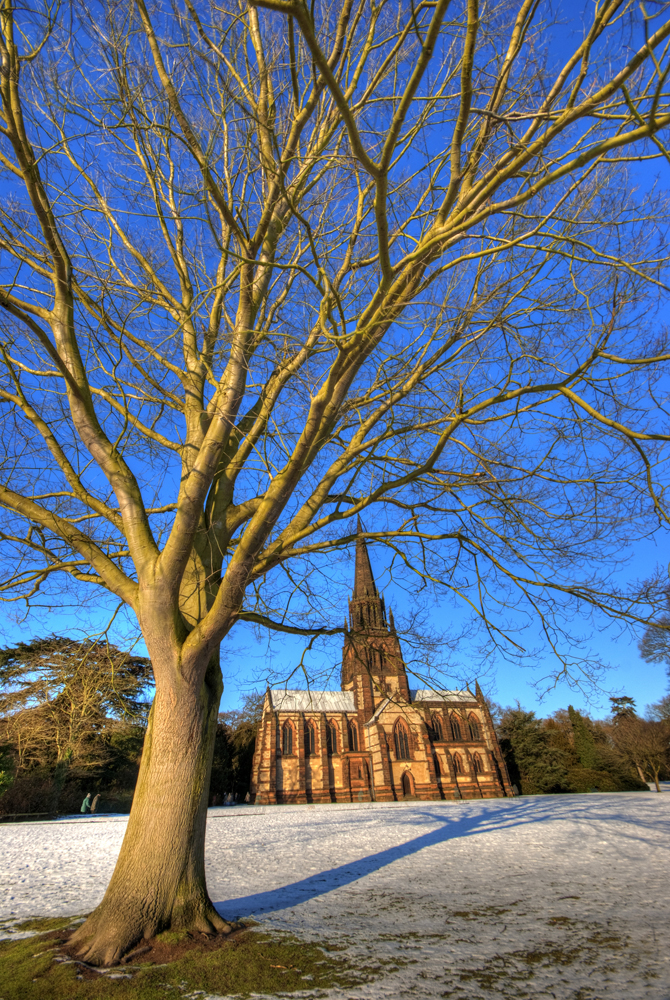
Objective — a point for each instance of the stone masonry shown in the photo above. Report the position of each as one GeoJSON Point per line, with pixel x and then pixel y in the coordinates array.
{"type": "Point", "coordinates": [375, 739]}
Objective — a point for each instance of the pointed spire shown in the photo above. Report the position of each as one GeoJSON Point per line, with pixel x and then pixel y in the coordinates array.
{"type": "Point", "coordinates": [391, 621]}
{"type": "Point", "coordinates": [364, 583]}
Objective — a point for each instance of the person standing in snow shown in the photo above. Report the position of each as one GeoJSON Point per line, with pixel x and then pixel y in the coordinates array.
{"type": "Point", "coordinates": [86, 804]}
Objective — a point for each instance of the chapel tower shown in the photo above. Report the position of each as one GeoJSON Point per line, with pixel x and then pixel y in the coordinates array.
{"type": "Point", "coordinates": [375, 740]}
{"type": "Point", "coordinates": [372, 664]}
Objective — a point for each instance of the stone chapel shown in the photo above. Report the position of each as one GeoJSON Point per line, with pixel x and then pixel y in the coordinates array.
{"type": "Point", "coordinates": [375, 740]}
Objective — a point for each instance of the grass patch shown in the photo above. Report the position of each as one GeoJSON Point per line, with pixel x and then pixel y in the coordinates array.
{"type": "Point", "coordinates": [42, 924]}
{"type": "Point", "coordinates": [247, 962]}
{"type": "Point", "coordinates": [508, 971]}
{"type": "Point", "coordinates": [486, 911]}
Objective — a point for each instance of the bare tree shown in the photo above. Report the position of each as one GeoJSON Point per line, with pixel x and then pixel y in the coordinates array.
{"type": "Point", "coordinates": [270, 265]}
{"type": "Point", "coordinates": [655, 643]}
{"type": "Point", "coordinates": [643, 744]}
{"type": "Point", "coordinates": [659, 711]}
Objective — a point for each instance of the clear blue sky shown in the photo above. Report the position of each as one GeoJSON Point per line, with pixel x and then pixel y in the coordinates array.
{"type": "Point", "coordinates": [247, 658]}
{"type": "Point", "coordinates": [506, 682]}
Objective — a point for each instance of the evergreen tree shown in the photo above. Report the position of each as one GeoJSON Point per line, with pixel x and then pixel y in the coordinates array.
{"type": "Point", "coordinates": [536, 765]}
{"type": "Point", "coordinates": [584, 741]}
{"type": "Point", "coordinates": [234, 747]}
{"type": "Point", "coordinates": [71, 711]}
{"type": "Point", "coordinates": [623, 708]}
{"type": "Point", "coordinates": [566, 753]}
{"type": "Point", "coordinates": [7, 768]}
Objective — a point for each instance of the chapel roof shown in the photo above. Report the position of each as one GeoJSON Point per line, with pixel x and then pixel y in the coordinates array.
{"type": "Point", "coordinates": [312, 701]}
{"type": "Point", "coordinates": [427, 694]}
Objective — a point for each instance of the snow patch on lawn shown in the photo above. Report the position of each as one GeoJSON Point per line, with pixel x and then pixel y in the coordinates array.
{"type": "Point", "coordinates": [556, 896]}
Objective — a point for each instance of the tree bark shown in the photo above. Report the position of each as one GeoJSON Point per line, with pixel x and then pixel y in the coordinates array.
{"type": "Point", "coordinates": [159, 879]}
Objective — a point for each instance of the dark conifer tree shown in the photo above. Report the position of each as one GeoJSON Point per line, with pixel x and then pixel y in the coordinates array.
{"type": "Point", "coordinates": [584, 740]}
{"type": "Point", "coordinates": [623, 708]}
{"type": "Point", "coordinates": [535, 764]}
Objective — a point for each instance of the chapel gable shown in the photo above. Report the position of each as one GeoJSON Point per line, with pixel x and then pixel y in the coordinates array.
{"type": "Point", "coordinates": [375, 739]}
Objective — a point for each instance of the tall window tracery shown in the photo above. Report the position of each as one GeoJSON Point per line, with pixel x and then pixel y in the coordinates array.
{"type": "Point", "coordinates": [477, 764]}
{"type": "Point", "coordinates": [287, 739]}
{"type": "Point", "coordinates": [436, 728]}
{"type": "Point", "coordinates": [310, 738]}
{"type": "Point", "coordinates": [401, 737]}
{"type": "Point", "coordinates": [455, 728]}
{"type": "Point", "coordinates": [331, 738]}
{"type": "Point", "coordinates": [473, 725]}
{"type": "Point", "coordinates": [458, 764]}
{"type": "Point", "coordinates": [352, 729]}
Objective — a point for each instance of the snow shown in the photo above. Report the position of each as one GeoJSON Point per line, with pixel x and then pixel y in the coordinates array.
{"type": "Point", "coordinates": [312, 701]}
{"type": "Point", "coordinates": [428, 694]}
{"type": "Point", "coordinates": [556, 896]}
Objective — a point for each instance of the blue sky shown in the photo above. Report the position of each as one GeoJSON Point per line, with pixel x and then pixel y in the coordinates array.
{"type": "Point", "coordinates": [506, 682]}
{"type": "Point", "coordinates": [246, 658]}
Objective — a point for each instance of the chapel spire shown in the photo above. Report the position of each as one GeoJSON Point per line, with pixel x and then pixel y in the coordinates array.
{"type": "Point", "coordinates": [366, 607]}
{"type": "Point", "coordinates": [364, 582]}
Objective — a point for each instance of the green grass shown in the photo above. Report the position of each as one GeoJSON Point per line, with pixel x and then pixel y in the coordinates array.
{"type": "Point", "coordinates": [43, 924]}
{"type": "Point", "coordinates": [253, 962]}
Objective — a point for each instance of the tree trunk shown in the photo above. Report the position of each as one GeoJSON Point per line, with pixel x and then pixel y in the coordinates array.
{"type": "Point", "coordinates": [159, 879]}
{"type": "Point", "coordinates": [656, 781]}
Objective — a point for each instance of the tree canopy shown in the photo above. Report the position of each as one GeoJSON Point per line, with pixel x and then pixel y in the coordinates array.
{"type": "Point", "coordinates": [92, 673]}
{"type": "Point", "coordinates": [267, 266]}
{"type": "Point", "coordinates": [71, 711]}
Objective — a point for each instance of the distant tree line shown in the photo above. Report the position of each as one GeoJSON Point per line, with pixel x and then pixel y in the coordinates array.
{"type": "Point", "coordinates": [73, 717]}
{"type": "Point", "coordinates": [570, 752]}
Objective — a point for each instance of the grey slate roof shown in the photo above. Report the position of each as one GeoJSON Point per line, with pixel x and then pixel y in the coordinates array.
{"type": "Point", "coordinates": [312, 701]}
{"type": "Point", "coordinates": [426, 694]}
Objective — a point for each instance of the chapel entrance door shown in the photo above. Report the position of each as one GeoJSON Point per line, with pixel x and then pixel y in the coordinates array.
{"type": "Point", "coordinates": [360, 780]}
{"type": "Point", "coordinates": [407, 785]}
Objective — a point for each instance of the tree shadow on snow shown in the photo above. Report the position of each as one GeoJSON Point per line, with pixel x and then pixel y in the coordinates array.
{"type": "Point", "coordinates": [516, 813]}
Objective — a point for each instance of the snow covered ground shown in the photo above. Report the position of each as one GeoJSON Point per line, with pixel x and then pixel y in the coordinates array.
{"type": "Point", "coordinates": [557, 896]}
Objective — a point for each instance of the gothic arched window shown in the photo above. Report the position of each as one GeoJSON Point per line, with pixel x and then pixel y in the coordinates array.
{"type": "Point", "coordinates": [401, 741]}
{"type": "Point", "coordinates": [436, 728]}
{"type": "Point", "coordinates": [455, 728]}
{"type": "Point", "coordinates": [353, 736]}
{"type": "Point", "coordinates": [473, 725]}
{"type": "Point", "coordinates": [331, 738]}
{"type": "Point", "coordinates": [310, 739]}
{"type": "Point", "coordinates": [477, 763]}
{"type": "Point", "coordinates": [458, 763]}
{"type": "Point", "coordinates": [287, 739]}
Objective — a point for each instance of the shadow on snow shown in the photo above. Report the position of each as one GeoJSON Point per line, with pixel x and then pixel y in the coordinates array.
{"type": "Point", "coordinates": [451, 828]}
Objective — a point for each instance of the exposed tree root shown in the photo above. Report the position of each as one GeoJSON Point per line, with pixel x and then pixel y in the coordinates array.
{"type": "Point", "coordinates": [105, 938]}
